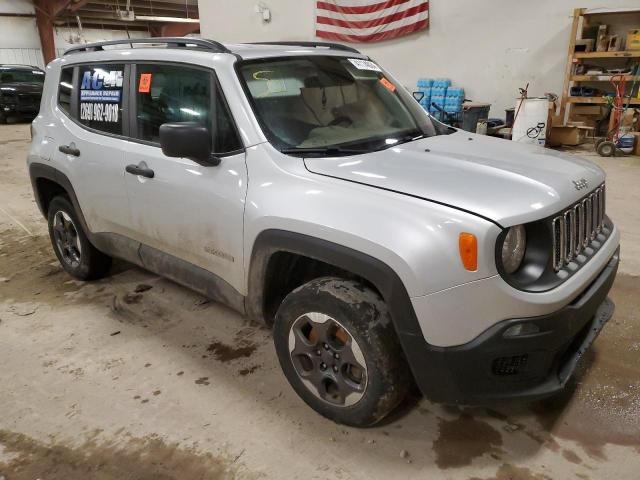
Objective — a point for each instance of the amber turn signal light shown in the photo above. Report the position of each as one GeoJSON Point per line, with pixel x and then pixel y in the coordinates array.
{"type": "Point", "coordinates": [468, 245]}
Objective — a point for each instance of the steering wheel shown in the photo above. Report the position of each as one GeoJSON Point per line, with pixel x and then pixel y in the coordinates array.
{"type": "Point", "coordinates": [339, 120]}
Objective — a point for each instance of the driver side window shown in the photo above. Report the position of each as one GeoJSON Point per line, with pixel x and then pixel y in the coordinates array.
{"type": "Point", "coordinates": [168, 93]}
{"type": "Point", "coordinates": [172, 93]}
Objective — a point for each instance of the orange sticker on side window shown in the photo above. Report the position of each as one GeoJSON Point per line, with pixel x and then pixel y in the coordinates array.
{"type": "Point", "coordinates": [145, 83]}
{"type": "Point", "coordinates": [388, 85]}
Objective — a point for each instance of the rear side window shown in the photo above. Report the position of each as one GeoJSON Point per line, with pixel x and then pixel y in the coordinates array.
{"type": "Point", "coordinates": [171, 93]}
{"type": "Point", "coordinates": [101, 92]}
{"type": "Point", "coordinates": [65, 89]}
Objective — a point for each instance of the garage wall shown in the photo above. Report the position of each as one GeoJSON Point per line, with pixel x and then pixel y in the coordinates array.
{"type": "Point", "coordinates": [490, 48]}
{"type": "Point", "coordinates": [19, 41]}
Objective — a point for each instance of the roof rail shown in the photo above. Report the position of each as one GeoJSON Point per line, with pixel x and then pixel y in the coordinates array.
{"type": "Point", "coordinates": [334, 46]}
{"type": "Point", "coordinates": [171, 42]}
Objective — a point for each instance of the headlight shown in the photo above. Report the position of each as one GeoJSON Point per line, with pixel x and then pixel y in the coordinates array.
{"type": "Point", "coordinates": [513, 248]}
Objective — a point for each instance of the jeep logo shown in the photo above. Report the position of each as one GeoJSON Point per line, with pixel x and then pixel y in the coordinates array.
{"type": "Point", "coordinates": [580, 184]}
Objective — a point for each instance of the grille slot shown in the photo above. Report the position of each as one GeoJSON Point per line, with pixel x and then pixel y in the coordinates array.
{"type": "Point", "coordinates": [577, 227]}
{"type": "Point", "coordinates": [514, 365]}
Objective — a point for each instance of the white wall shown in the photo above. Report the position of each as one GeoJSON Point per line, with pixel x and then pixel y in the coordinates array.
{"type": "Point", "coordinates": [491, 48]}
{"type": "Point", "coordinates": [19, 40]}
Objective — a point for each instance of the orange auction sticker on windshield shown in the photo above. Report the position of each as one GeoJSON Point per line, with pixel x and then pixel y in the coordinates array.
{"type": "Point", "coordinates": [388, 85]}
{"type": "Point", "coordinates": [145, 83]}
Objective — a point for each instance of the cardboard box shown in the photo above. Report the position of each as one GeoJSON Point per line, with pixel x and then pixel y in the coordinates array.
{"type": "Point", "coordinates": [636, 150]}
{"type": "Point", "coordinates": [569, 135]}
{"type": "Point", "coordinates": [595, 110]}
{"type": "Point", "coordinates": [633, 40]}
{"type": "Point", "coordinates": [602, 39]}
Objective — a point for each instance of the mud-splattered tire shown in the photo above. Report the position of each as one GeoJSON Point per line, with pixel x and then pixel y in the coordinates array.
{"type": "Point", "coordinates": [338, 349]}
{"type": "Point", "coordinates": [76, 254]}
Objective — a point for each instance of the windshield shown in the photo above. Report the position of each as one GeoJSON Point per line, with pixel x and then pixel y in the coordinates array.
{"type": "Point", "coordinates": [330, 105]}
{"type": "Point", "coordinates": [21, 76]}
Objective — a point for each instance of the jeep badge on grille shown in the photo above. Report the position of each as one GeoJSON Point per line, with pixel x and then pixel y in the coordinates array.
{"type": "Point", "coordinates": [580, 184]}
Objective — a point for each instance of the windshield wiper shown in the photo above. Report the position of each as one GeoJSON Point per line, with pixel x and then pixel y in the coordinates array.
{"type": "Point", "coordinates": [327, 151]}
{"type": "Point", "coordinates": [410, 137]}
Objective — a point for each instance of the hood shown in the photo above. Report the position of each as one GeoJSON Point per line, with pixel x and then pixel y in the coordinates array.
{"type": "Point", "coordinates": [506, 182]}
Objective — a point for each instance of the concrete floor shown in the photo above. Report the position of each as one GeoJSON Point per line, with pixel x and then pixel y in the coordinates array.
{"type": "Point", "coordinates": [134, 377]}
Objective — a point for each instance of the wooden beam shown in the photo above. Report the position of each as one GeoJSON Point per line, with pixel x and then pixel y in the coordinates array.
{"type": "Point", "coordinates": [53, 7]}
{"type": "Point", "coordinates": [44, 22]}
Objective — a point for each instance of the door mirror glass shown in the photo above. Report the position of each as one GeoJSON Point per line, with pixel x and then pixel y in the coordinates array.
{"type": "Point", "coordinates": [187, 140]}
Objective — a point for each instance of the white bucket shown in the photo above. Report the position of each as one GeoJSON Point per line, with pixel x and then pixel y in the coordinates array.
{"type": "Point", "coordinates": [531, 124]}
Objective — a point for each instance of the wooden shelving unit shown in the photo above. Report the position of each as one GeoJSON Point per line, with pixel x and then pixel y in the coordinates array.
{"type": "Point", "coordinates": [583, 18]}
{"type": "Point", "coordinates": [598, 100]}
{"type": "Point", "coordinates": [630, 54]}
{"type": "Point", "coordinates": [603, 78]}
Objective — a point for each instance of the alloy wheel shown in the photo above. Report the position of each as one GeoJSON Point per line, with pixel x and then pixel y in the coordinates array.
{"type": "Point", "coordinates": [67, 239]}
{"type": "Point", "coordinates": [328, 359]}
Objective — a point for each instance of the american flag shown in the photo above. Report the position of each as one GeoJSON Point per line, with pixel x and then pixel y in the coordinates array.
{"type": "Point", "coordinates": [368, 20]}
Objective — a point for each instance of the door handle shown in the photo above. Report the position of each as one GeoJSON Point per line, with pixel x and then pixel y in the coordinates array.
{"type": "Point", "coordinates": [69, 150]}
{"type": "Point", "coordinates": [142, 171]}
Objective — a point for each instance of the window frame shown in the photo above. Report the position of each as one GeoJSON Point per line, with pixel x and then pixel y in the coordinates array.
{"type": "Point", "coordinates": [129, 91]}
{"type": "Point", "coordinates": [216, 89]}
{"type": "Point", "coordinates": [73, 100]}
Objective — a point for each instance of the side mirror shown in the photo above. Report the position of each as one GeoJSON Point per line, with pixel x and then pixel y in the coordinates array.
{"type": "Point", "coordinates": [187, 140]}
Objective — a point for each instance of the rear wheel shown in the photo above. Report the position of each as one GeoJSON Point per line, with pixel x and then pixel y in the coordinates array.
{"type": "Point", "coordinates": [72, 247]}
{"type": "Point", "coordinates": [338, 349]}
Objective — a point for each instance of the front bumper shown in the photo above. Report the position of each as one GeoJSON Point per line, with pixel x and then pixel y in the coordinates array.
{"type": "Point", "coordinates": [493, 368]}
{"type": "Point", "coordinates": [19, 110]}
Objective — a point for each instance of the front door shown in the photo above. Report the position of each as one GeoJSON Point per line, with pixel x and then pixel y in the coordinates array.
{"type": "Point", "coordinates": [187, 210]}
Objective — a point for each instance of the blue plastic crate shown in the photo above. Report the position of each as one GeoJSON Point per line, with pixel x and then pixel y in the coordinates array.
{"type": "Point", "coordinates": [424, 83]}
{"type": "Point", "coordinates": [455, 92]}
{"type": "Point", "coordinates": [438, 91]}
{"type": "Point", "coordinates": [442, 82]}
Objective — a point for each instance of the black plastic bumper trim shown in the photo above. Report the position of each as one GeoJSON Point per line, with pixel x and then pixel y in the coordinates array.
{"type": "Point", "coordinates": [464, 374]}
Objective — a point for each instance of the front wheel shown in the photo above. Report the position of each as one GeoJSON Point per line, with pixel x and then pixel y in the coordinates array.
{"type": "Point", "coordinates": [76, 254]}
{"type": "Point", "coordinates": [606, 149]}
{"type": "Point", "coordinates": [338, 349]}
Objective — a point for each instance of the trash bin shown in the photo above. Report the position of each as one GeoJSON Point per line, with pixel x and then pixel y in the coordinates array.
{"type": "Point", "coordinates": [472, 112]}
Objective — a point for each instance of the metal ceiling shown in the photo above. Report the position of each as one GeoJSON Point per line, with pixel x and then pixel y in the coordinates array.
{"type": "Point", "coordinates": [130, 15]}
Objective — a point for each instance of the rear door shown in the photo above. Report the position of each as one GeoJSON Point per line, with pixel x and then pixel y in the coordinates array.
{"type": "Point", "coordinates": [91, 144]}
{"type": "Point", "coordinates": [187, 210]}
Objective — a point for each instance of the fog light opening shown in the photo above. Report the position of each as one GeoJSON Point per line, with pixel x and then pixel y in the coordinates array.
{"type": "Point", "coordinates": [521, 330]}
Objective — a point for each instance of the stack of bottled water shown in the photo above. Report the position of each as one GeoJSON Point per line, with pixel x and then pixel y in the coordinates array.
{"type": "Point", "coordinates": [440, 96]}
{"type": "Point", "coordinates": [454, 100]}
{"type": "Point", "coordinates": [424, 86]}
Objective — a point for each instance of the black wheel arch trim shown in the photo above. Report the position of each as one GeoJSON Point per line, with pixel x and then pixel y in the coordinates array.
{"type": "Point", "coordinates": [383, 277]}
{"type": "Point", "coordinates": [39, 171]}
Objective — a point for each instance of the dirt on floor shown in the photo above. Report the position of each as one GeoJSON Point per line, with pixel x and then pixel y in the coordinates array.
{"type": "Point", "coordinates": [135, 377]}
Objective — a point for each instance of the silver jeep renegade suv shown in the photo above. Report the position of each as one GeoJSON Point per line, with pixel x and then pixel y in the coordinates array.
{"type": "Point", "coordinates": [302, 185]}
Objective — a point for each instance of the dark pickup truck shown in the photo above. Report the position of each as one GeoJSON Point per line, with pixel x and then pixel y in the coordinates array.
{"type": "Point", "coordinates": [20, 92]}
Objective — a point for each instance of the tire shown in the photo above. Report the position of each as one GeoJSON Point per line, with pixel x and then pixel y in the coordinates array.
{"type": "Point", "coordinates": [330, 316]}
{"type": "Point", "coordinates": [599, 141]}
{"type": "Point", "coordinates": [607, 149]}
{"type": "Point", "coordinates": [76, 254]}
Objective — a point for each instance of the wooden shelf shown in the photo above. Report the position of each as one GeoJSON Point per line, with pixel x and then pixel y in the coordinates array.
{"type": "Point", "coordinates": [602, 78]}
{"type": "Point", "coordinates": [627, 54]}
{"type": "Point", "coordinates": [618, 19]}
{"type": "Point", "coordinates": [599, 100]}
